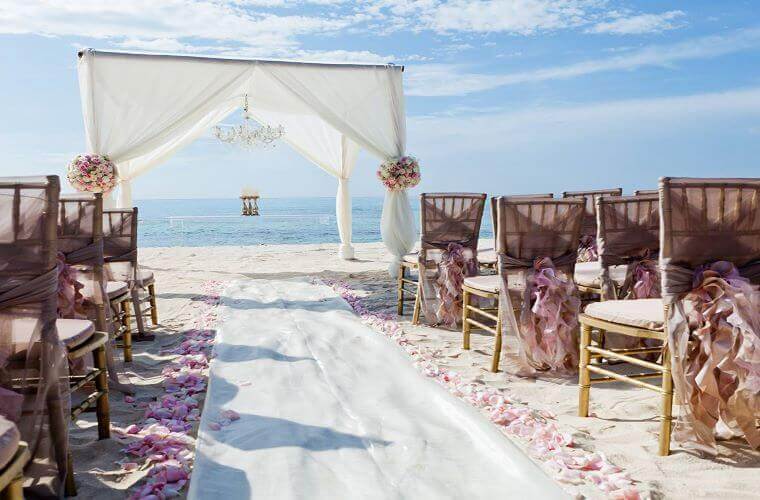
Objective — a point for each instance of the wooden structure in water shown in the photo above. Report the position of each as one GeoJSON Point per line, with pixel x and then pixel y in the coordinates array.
{"type": "Point", "coordinates": [250, 204]}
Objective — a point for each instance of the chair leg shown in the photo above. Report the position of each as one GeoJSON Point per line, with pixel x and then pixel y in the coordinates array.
{"type": "Point", "coordinates": [497, 343]}
{"type": "Point", "coordinates": [136, 307]}
{"type": "Point", "coordinates": [465, 324]}
{"type": "Point", "coordinates": [14, 490]}
{"type": "Point", "coordinates": [102, 409]}
{"type": "Point", "coordinates": [153, 308]}
{"type": "Point", "coordinates": [584, 377]}
{"type": "Point", "coordinates": [400, 290]}
{"type": "Point", "coordinates": [70, 486]}
{"type": "Point", "coordinates": [417, 303]}
{"type": "Point", "coordinates": [667, 404]}
{"type": "Point", "coordinates": [127, 335]}
{"type": "Point", "coordinates": [603, 339]}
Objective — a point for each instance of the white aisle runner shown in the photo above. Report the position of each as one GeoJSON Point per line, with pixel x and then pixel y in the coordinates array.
{"type": "Point", "coordinates": [331, 409]}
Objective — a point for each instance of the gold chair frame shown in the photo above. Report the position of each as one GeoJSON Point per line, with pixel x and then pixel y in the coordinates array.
{"type": "Point", "coordinates": [12, 475]}
{"type": "Point", "coordinates": [403, 280]}
{"type": "Point", "coordinates": [589, 353]}
{"type": "Point", "coordinates": [120, 305]}
{"type": "Point", "coordinates": [487, 312]}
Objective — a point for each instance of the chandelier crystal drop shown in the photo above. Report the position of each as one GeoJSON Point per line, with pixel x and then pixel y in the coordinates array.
{"type": "Point", "coordinates": [248, 135]}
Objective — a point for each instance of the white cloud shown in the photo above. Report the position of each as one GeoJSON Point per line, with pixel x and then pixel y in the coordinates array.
{"type": "Point", "coordinates": [640, 24]}
{"type": "Point", "coordinates": [448, 79]}
{"type": "Point", "coordinates": [522, 17]}
{"type": "Point", "coordinates": [175, 25]}
{"type": "Point", "coordinates": [512, 16]}
{"type": "Point", "coordinates": [276, 28]}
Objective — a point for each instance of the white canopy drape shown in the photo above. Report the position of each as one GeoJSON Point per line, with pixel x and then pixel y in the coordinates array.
{"type": "Point", "coordinates": [141, 108]}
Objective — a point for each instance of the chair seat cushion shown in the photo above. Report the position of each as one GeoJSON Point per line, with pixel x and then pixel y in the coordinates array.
{"type": "Point", "coordinates": [492, 283]}
{"type": "Point", "coordinates": [9, 440]}
{"type": "Point", "coordinates": [144, 278]}
{"type": "Point", "coordinates": [71, 332]}
{"type": "Point", "coordinates": [113, 289]}
{"type": "Point", "coordinates": [587, 274]}
{"type": "Point", "coordinates": [641, 313]}
{"type": "Point", "coordinates": [487, 256]}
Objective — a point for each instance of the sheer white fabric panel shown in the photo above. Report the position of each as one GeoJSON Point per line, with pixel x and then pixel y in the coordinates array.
{"type": "Point", "coordinates": [140, 110]}
{"type": "Point", "coordinates": [397, 227]}
{"type": "Point", "coordinates": [366, 105]}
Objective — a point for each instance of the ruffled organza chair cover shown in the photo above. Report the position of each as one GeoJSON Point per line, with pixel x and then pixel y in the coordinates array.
{"type": "Point", "coordinates": [629, 235]}
{"type": "Point", "coordinates": [81, 257]}
{"type": "Point", "coordinates": [536, 245]}
{"type": "Point", "coordinates": [710, 263]}
{"type": "Point", "coordinates": [33, 362]}
{"type": "Point", "coordinates": [587, 251]}
{"type": "Point", "coordinates": [450, 228]}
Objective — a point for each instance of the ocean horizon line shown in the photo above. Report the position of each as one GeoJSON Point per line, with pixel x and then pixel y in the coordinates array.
{"type": "Point", "coordinates": [237, 197]}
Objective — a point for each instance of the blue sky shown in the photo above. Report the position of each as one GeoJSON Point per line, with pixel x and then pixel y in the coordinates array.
{"type": "Point", "coordinates": [511, 96]}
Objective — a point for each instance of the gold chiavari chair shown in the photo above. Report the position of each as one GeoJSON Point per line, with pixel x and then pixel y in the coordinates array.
{"type": "Point", "coordinates": [119, 253]}
{"type": "Point", "coordinates": [701, 221]}
{"type": "Point", "coordinates": [39, 345]}
{"type": "Point", "coordinates": [444, 218]}
{"type": "Point", "coordinates": [526, 229]}
{"type": "Point", "coordinates": [142, 282]}
{"type": "Point", "coordinates": [640, 192]}
{"type": "Point", "coordinates": [586, 273]}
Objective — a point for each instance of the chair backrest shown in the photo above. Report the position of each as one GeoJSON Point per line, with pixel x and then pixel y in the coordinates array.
{"type": "Point", "coordinates": [639, 192]}
{"type": "Point", "coordinates": [28, 210]}
{"type": "Point", "coordinates": [706, 220]}
{"type": "Point", "coordinates": [589, 221]}
{"type": "Point", "coordinates": [119, 231]}
{"type": "Point", "coordinates": [80, 221]}
{"type": "Point", "coordinates": [495, 204]}
{"type": "Point", "coordinates": [532, 228]}
{"type": "Point", "coordinates": [450, 218]}
{"type": "Point", "coordinates": [628, 227]}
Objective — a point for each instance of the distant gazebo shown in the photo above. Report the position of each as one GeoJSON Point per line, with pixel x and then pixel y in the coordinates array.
{"type": "Point", "coordinates": [250, 199]}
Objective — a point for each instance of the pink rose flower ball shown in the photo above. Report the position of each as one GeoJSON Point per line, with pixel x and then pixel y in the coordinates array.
{"type": "Point", "coordinates": [92, 173]}
{"type": "Point", "coordinates": [400, 173]}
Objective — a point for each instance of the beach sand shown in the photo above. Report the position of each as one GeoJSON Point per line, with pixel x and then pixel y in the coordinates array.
{"type": "Point", "coordinates": [625, 428]}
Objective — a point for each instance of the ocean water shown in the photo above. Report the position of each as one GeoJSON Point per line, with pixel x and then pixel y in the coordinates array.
{"type": "Point", "coordinates": [283, 220]}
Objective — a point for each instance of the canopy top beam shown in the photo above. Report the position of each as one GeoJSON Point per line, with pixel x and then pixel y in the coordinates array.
{"type": "Point", "coordinates": [142, 55]}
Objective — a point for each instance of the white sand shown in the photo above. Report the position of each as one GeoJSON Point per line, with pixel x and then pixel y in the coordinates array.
{"type": "Point", "coordinates": [625, 429]}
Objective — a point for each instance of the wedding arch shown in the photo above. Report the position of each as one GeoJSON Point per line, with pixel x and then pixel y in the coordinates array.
{"type": "Point", "coordinates": [140, 109]}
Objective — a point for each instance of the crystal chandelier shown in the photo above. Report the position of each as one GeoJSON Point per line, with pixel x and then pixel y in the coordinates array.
{"type": "Point", "coordinates": [248, 135]}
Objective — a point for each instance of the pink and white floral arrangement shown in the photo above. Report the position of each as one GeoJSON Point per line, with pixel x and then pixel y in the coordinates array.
{"type": "Point", "coordinates": [92, 173]}
{"type": "Point", "coordinates": [400, 173]}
